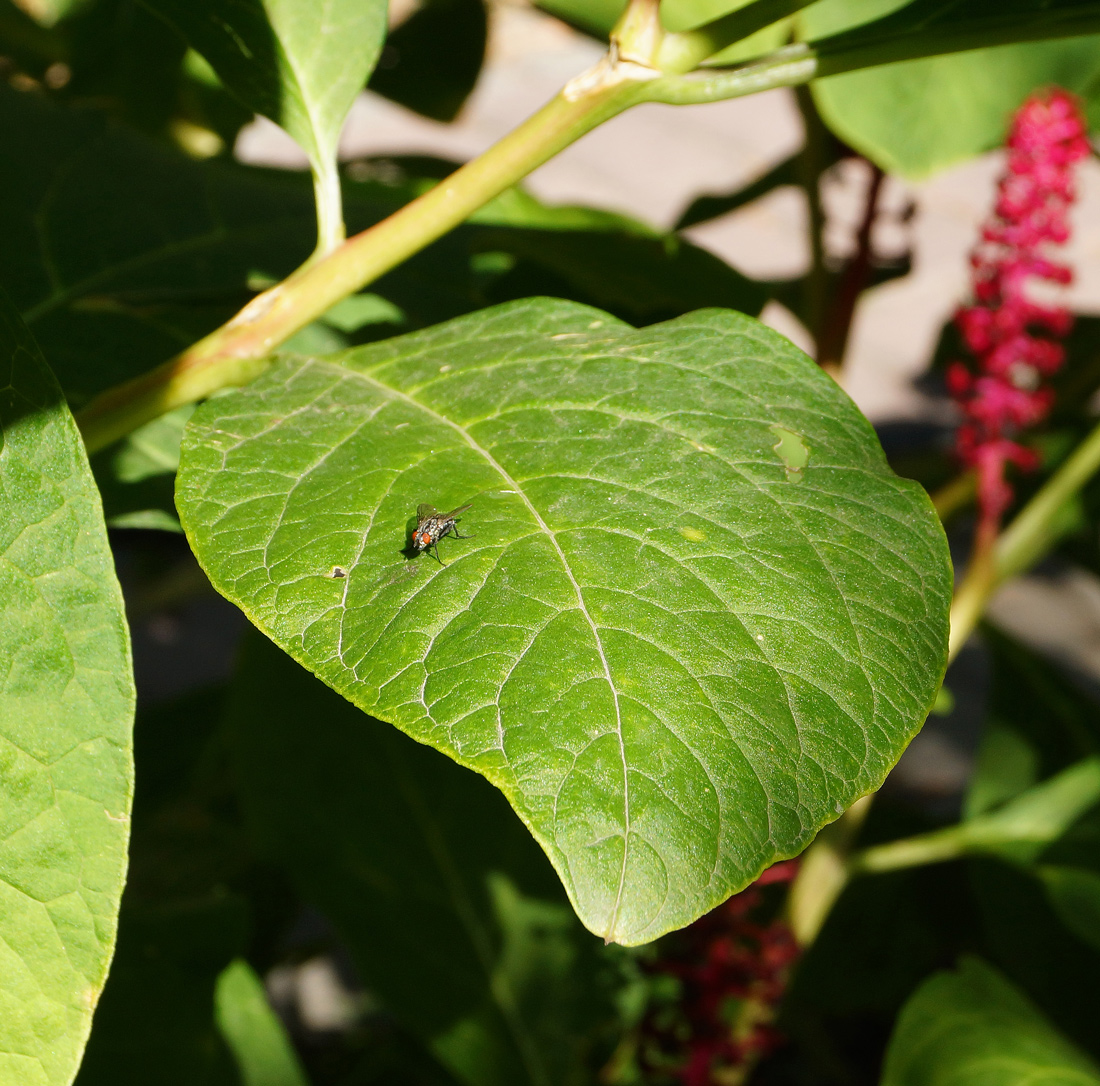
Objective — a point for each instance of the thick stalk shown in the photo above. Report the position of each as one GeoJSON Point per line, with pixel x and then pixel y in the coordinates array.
{"type": "Point", "coordinates": [952, 496]}
{"type": "Point", "coordinates": [687, 49]}
{"type": "Point", "coordinates": [638, 33]}
{"type": "Point", "coordinates": [823, 873]}
{"type": "Point", "coordinates": [229, 356]}
{"type": "Point", "coordinates": [974, 590]}
{"type": "Point", "coordinates": [1036, 528]}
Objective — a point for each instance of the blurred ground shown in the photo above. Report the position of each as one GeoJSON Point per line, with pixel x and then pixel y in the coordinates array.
{"type": "Point", "coordinates": [653, 160]}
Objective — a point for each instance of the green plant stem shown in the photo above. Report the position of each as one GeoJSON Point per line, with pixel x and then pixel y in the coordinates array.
{"type": "Point", "coordinates": [1019, 830]}
{"type": "Point", "coordinates": [823, 873]}
{"type": "Point", "coordinates": [638, 33]}
{"type": "Point", "coordinates": [927, 848]}
{"type": "Point", "coordinates": [687, 49]}
{"type": "Point", "coordinates": [1035, 529]}
{"type": "Point", "coordinates": [330, 206]}
{"type": "Point", "coordinates": [230, 355]}
{"type": "Point", "coordinates": [952, 496]}
{"type": "Point", "coordinates": [973, 591]}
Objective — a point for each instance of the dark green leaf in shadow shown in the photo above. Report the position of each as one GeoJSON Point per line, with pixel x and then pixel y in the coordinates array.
{"type": "Point", "coordinates": [125, 59]}
{"type": "Point", "coordinates": [675, 650]}
{"type": "Point", "coordinates": [66, 711]}
{"type": "Point", "coordinates": [922, 28]}
{"type": "Point", "coordinates": [431, 62]}
{"type": "Point", "coordinates": [455, 918]}
{"type": "Point", "coordinates": [1037, 725]}
{"type": "Point", "coordinates": [638, 279]}
{"type": "Point", "coordinates": [973, 1026]}
{"type": "Point", "coordinates": [156, 1022]}
{"type": "Point", "coordinates": [119, 252]}
{"type": "Point", "coordinates": [1024, 937]}
{"type": "Point", "coordinates": [1074, 894]}
{"type": "Point", "coordinates": [136, 476]}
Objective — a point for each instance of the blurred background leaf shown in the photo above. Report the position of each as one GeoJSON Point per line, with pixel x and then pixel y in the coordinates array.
{"type": "Point", "coordinates": [974, 1026]}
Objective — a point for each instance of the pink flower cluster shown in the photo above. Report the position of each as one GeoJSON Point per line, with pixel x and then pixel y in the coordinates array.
{"type": "Point", "coordinates": [733, 972]}
{"type": "Point", "coordinates": [1012, 337]}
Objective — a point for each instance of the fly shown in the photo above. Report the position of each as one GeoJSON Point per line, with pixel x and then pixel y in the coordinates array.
{"type": "Point", "coordinates": [432, 526]}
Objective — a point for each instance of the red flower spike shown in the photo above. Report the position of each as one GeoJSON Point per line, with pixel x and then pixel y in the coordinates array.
{"type": "Point", "coordinates": [733, 972]}
{"type": "Point", "coordinates": [1012, 338]}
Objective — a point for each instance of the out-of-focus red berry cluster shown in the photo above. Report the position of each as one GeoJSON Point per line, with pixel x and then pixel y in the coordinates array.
{"type": "Point", "coordinates": [1013, 338]}
{"type": "Point", "coordinates": [732, 971]}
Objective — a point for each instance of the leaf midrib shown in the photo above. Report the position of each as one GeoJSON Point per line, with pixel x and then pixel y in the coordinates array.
{"type": "Point", "coordinates": [552, 537]}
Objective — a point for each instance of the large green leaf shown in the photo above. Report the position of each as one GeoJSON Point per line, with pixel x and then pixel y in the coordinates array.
{"type": "Point", "coordinates": [299, 62]}
{"type": "Point", "coordinates": [700, 616]}
{"type": "Point", "coordinates": [455, 919]}
{"type": "Point", "coordinates": [66, 709]}
{"type": "Point", "coordinates": [974, 1027]}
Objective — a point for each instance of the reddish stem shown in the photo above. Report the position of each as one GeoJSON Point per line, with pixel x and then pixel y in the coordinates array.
{"type": "Point", "coordinates": [832, 340]}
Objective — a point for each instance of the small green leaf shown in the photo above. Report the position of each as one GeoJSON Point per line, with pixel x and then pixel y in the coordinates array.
{"type": "Point", "coordinates": [156, 1021]}
{"type": "Point", "coordinates": [677, 664]}
{"type": "Point", "coordinates": [1037, 725]}
{"type": "Point", "coordinates": [974, 1027]}
{"type": "Point", "coordinates": [452, 914]}
{"type": "Point", "coordinates": [299, 62]}
{"type": "Point", "coordinates": [66, 710]}
{"type": "Point", "coordinates": [250, 1027]}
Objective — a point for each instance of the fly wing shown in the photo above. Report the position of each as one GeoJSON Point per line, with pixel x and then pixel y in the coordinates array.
{"type": "Point", "coordinates": [423, 512]}
{"type": "Point", "coordinates": [453, 513]}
